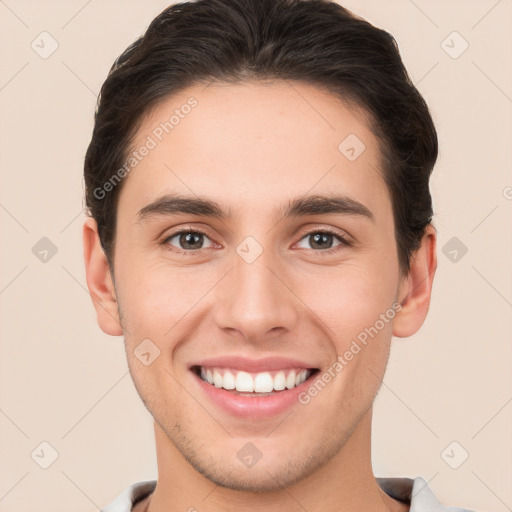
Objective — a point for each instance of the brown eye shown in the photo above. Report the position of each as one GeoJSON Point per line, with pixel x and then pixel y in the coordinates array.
{"type": "Point", "coordinates": [187, 240]}
{"type": "Point", "coordinates": [324, 240]}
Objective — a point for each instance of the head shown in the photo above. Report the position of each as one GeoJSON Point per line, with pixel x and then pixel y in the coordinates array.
{"type": "Point", "coordinates": [257, 186]}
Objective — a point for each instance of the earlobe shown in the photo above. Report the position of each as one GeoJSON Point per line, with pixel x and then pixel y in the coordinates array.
{"type": "Point", "coordinates": [416, 288]}
{"type": "Point", "coordinates": [99, 281]}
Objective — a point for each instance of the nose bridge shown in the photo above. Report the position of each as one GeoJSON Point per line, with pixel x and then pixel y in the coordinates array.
{"type": "Point", "coordinates": [255, 300]}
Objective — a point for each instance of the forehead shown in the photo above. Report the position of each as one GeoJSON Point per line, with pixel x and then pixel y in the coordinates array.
{"type": "Point", "coordinates": [256, 142]}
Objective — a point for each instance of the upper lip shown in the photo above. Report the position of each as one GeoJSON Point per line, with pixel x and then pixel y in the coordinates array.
{"type": "Point", "coordinates": [253, 365]}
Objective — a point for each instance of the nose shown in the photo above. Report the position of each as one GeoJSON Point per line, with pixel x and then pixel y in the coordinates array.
{"type": "Point", "coordinates": [257, 300]}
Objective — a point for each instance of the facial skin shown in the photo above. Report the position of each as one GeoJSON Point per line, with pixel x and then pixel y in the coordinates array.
{"type": "Point", "coordinates": [252, 148]}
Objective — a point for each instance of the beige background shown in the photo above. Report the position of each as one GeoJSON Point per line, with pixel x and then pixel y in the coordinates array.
{"type": "Point", "coordinates": [65, 382]}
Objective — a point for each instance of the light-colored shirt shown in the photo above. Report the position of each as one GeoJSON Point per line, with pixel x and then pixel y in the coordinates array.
{"type": "Point", "coordinates": [415, 492]}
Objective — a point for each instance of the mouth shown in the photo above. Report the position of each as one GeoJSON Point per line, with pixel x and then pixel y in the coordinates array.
{"type": "Point", "coordinates": [254, 384]}
{"type": "Point", "coordinates": [252, 389]}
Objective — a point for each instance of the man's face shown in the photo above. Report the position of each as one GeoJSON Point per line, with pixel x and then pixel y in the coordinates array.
{"type": "Point", "coordinates": [256, 286]}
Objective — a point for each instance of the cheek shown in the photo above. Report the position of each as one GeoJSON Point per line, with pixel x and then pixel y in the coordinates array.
{"type": "Point", "coordinates": [350, 298]}
{"type": "Point", "coordinates": [155, 299]}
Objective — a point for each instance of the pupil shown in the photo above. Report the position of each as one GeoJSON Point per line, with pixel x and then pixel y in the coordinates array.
{"type": "Point", "coordinates": [189, 238]}
{"type": "Point", "coordinates": [320, 238]}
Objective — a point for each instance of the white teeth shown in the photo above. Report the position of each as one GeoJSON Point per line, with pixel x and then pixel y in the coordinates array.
{"type": "Point", "coordinates": [301, 377]}
{"type": "Point", "coordinates": [244, 382]}
{"type": "Point", "coordinates": [217, 379]}
{"type": "Point", "coordinates": [229, 381]}
{"type": "Point", "coordinates": [262, 382]}
{"type": "Point", "coordinates": [279, 381]}
{"type": "Point", "coordinates": [290, 380]}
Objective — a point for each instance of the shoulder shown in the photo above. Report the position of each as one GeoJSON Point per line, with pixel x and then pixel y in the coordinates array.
{"type": "Point", "coordinates": [417, 493]}
{"type": "Point", "coordinates": [130, 496]}
{"type": "Point", "coordinates": [424, 499]}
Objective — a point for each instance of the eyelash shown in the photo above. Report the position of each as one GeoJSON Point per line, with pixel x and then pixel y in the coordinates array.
{"type": "Point", "coordinates": [343, 240]}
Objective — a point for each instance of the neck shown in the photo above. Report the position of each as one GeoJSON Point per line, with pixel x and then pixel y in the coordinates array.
{"type": "Point", "coordinates": [344, 483]}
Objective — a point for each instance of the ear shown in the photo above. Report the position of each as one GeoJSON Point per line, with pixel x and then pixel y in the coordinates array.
{"type": "Point", "coordinates": [99, 281]}
{"type": "Point", "coordinates": [416, 288]}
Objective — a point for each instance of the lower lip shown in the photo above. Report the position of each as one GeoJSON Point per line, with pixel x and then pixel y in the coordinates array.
{"type": "Point", "coordinates": [254, 407]}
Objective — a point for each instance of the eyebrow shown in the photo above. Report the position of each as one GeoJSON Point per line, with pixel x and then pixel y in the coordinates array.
{"type": "Point", "coordinates": [171, 204]}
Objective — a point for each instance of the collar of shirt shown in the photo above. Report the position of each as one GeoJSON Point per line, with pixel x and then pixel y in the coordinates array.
{"type": "Point", "coordinates": [415, 492]}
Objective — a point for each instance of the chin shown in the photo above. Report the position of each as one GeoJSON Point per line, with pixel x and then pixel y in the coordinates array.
{"type": "Point", "coordinates": [264, 476]}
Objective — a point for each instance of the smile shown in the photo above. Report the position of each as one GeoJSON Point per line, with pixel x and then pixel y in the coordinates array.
{"type": "Point", "coordinates": [254, 383]}
{"type": "Point", "coordinates": [252, 389]}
